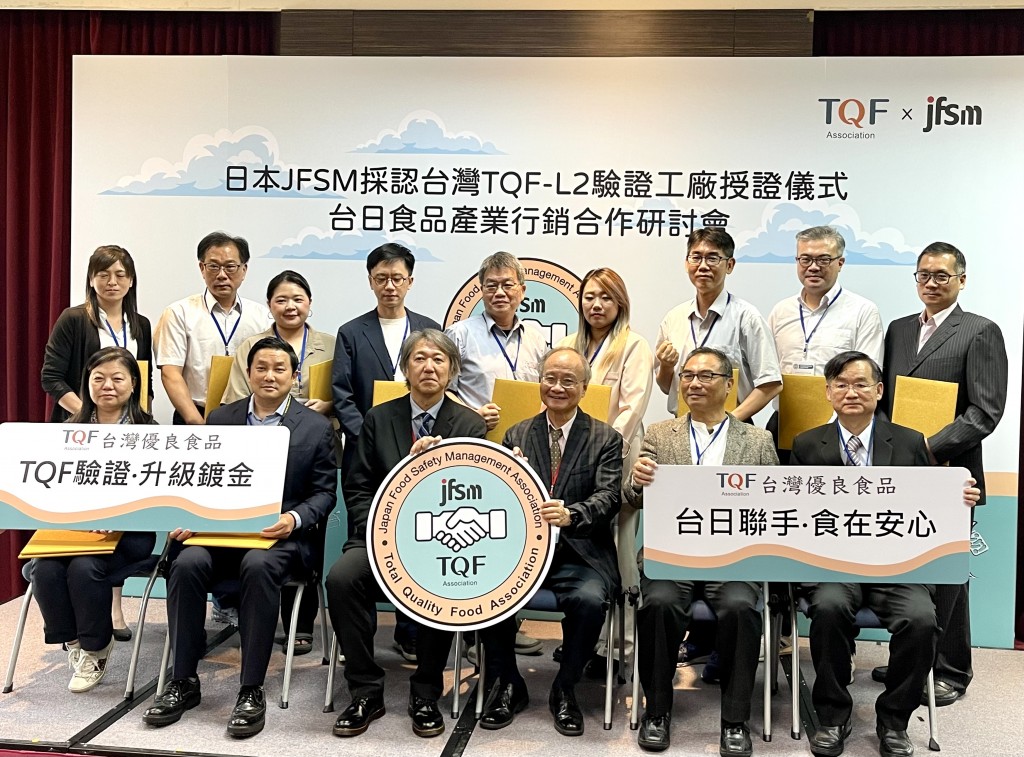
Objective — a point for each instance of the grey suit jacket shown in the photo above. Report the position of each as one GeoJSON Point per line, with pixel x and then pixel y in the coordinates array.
{"type": "Point", "coordinates": [968, 350]}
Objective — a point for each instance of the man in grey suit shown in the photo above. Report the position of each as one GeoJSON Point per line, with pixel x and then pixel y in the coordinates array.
{"type": "Point", "coordinates": [945, 343]}
{"type": "Point", "coordinates": [707, 435]}
{"type": "Point", "coordinates": [579, 459]}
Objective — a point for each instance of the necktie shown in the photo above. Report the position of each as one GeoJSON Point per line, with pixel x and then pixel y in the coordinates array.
{"type": "Point", "coordinates": [424, 424]}
{"type": "Point", "coordinates": [556, 453]}
{"type": "Point", "coordinates": [855, 448]}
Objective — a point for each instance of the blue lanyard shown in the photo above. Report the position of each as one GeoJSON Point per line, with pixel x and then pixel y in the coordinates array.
{"type": "Point", "coordinates": [693, 334]}
{"type": "Point", "coordinates": [803, 328]}
{"type": "Point", "coordinates": [394, 368]}
{"type": "Point", "coordinates": [225, 339]}
{"type": "Point", "coordinates": [519, 348]}
{"type": "Point", "coordinates": [124, 332]}
{"type": "Point", "coordinates": [693, 434]}
{"type": "Point", "coordinates": [598, 350]}
{"type": "Point", "coordinates": [846, 449]}
{"type": "Point", "coordinates": [302, 356]}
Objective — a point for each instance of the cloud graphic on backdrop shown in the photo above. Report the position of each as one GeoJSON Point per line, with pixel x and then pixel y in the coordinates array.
{"type": "Point", "coordinates": [252, 154]}
{"type": "Point", "coordinates": [313, 244]}
{"type": "Point", "coordinates": [775, 241]}
{"type": "Point", "coordinates": [423, 132]}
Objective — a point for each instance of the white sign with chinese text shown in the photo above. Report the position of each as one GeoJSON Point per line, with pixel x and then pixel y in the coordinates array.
{"type": "Point", "coordinates": [141, 478]}
{"type": "Point", "coordinates": [807, 523]}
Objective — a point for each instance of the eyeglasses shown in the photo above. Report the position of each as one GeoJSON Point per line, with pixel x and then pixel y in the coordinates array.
{"type": "Point", "coordinates": [229, 268]}
{"type": "Point", "coordinates": [712, 259]}
{"type": "Point", "coordinates": [382, 280]}
{"type": "Point", "coordinates": [566, 382]}
{"type": "Point", "coordinates": [939, 277]}
{"type": "Point", "coordinates": [704, 377]}
{"type": "Point", "coordinates": [491, 287]}
{"type": "Point", "coordinates": [822, 261]}
{"type": "Point", "coordinates": [860, 388]}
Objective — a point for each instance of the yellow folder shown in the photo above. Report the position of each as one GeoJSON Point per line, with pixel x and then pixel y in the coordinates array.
{"type": "Point", "coordinates": [385, 391]}
{"type": "Point", "coordinates": [234, 541]}
{"type": "Point", "coordinates": [144, 392]}
{"type": "Point", "coordinates": [56, 543]}
{"type": "Point", "coordinates": [220, 372]}
{"type": "Point", "coordinates": [924, 405]}
{"type": "Point", "coordinates": [320, 381]}
{"type": "Point", "coordinates": [520, 400]}
{"type": "Point", "coordinates": [802, 406]}
{"type": "Point", "coordinates": [730, 399]}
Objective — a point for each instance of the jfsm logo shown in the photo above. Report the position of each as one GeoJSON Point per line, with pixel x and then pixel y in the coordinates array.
{"type": "Point", "coordinates": [941, 112]}
{"type": "Point", "coordinates": [455, 534]}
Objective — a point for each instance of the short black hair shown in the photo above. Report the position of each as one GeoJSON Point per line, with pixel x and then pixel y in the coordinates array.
{"type": "Point", "coordinates": [838, 364]}
{"type": "Point", "coordinates": [219, 239]}
{"type": "Point", "coordinates": [288, 277]}
{"type": "Point", "coordinates": [720, 239]}
{"type": "Point", "coordinates": [945, 248]}
{"type": "Point", "coordinates": [724, 363]}
{"type": "Point", "coordinates": [271, 343]}
{"type": "Point", "coordinates": [388, 252]}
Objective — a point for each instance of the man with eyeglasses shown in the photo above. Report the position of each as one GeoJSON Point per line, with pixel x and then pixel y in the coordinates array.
{"type": "Point", "coordinates": [946, 343]}
{"type": "Point", "coordinates": [579, 459]}
{"type": "Point", "coordinates": [716, 318]}
{"type": "Point", "coordinates": [707, 435]}
{"type": "Point", "coordinates": [191, 331]}
{"type": "Point", "coordinates": [858, 438]}
{"type": "Point", "coordinates": [496, 344]}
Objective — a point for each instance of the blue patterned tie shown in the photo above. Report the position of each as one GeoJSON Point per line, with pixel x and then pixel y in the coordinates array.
{"type": "Point", "coordinates": [424, 424]}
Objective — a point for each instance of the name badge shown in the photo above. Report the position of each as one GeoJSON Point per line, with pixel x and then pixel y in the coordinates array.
{"type": "Point", "coordinates": [804, 369]}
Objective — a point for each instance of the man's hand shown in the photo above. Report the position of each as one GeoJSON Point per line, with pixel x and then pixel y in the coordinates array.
{"type": "Point", "coordinates": [518, 452]}
{"type": "Point", "coordinates": [643, 471]}
{"type": "Point", "coordinates": [971, 493]}
{"type": "Point", "coordinates": [280, 530]}
{"type": "Point", "coordinates": [423, 444]}
{"type": "Point", "coordinates": [491, 414]}
{"type": "Point", "coordinates": [555, 512]}
{"type": "Point", "coordinates": [181, 534]}
{"type": "Point", "coordinates": [667, 354]}
{"type": "Point", "coordinates": [319, 406]}
{"type": "Point", "coordinates": [931, 457]}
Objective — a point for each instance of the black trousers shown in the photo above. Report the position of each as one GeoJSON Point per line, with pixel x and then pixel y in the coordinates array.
{"type": "Point", "coordinates": [260, 572]}
{"type": "Point", "coordinates": [663, 617]}
{"type": "Point", "coordinates": [953, 658]}
{"type": "Point", "coordinates": [908, 613]}
{"type": "Point", "coordinates": [352, 593]}
{"type": "Point", "coordinates": [74, 593]}
{"type": "Point", "coordinates": [581, 593]}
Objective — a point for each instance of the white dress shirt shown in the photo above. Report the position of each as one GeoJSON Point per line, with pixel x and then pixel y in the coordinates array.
{"type": "Point", "coordinates": [708, 445]}
{"type": "Point", "coordinates": [111, 338]}
{"type": "Point", "coordinates": [930, 325]}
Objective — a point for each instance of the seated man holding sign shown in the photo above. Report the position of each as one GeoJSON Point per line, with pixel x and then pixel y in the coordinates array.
{"type": "Point", "coordinates": [857, 437]}
{"type": "Point", "coordinates": [707, 435]}
{"type": "Point", "coordinates": [408, 425]}
{"type": "Point", "coordinates": [310, 493]}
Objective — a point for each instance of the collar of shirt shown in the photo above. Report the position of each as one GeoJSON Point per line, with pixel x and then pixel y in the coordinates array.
{"type": "Point", "coordinates": [237, 307]}
{"type": "Point", "coordinates": [938, 318]}
{"type": "Point", "coordinates": [717, 307]}
{"type": "Point", "coordinates": [566, 428]}
{"type": "Point", "coordinates": [711, 453]}
{"type": "Point", "coordinates": [864, 436]}
{"type": "Point", "coordinates": [433, 410]}
{"type": "Point", "coordinates": [274, 419]}
{"type": "Point", "coordinates": [826, 299]}
{"type": "Point", "coordinates": [517, 325]}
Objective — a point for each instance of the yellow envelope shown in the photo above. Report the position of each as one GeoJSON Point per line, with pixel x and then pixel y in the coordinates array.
{"type": "Point", "coordinates": [59, 543]}
{"type": "Point", "coordinates": [220, 371]}
{"type": "Point", "coordinates": [802, 406]}
{"type": "Point", "coordinates": [144, 393]}
{"type": "Point", "coordinates": [730, 399]}
{"type": "Point", "coordinates": [924, 405]}
{"type": "Point", "coordinates": [520, 400]}
{"type": "Point", "coordinates": [234, 541]}
{"type": "Point", "coordinates": [320, 381]}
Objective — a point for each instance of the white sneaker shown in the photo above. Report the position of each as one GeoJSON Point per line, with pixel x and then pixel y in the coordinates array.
{"type": "Point", "coordinates": [74, 653]}
{"type": "Point", "coordinates": [89, 668]}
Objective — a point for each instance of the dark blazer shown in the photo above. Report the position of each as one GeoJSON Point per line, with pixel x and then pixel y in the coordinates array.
{"type": "Point", "coordinates": [890, 445]}
{"type": "Point", "coordinates": [967, 349]}
{"type": "Point", "coordinates": [72, 342]}
{"type": "Point", "coordinates": [360, 358]}
{"type": "Point", "coordinates": [384, 442]}
{"type": "Point", "coordinates": [589, 479]}
{"type": "Point", "coordinates": [311, 476]}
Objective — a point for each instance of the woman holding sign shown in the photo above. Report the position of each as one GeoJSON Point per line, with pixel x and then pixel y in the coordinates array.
{"type": "Point", "coordinates": [75, 593]}
{"type": "Point", "coordinates": [621, 359]}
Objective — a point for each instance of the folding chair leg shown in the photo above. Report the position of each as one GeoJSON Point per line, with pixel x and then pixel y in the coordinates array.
{"type": "Point", "coordinates": [609, 668]}
{"type": "Point", "coordinates": [933, 723]}
{"type": "Point", "coordinates": [289, 655]}
{"type": "Point", "coordinates": [18, 634]}
{"type": "Point", "coordinates": [322, 599]}
{"type": "Point", "coordinates": [794, 679]}
{"type": "Point", "coordinates": [621, 602]}
{"type": "Point", "coordinates": [133, 664]}
{"type": "Point", "coordinates": [634, 715]}
{"type": "Point", "coordinates": [767, 636]}
{"type": "Point", "coordinates": [165, 660]}
{"type": "Point", "coordinates": [458, 676]}
{"type": "Point", "coordinates": [479, 677]}
{"type": "Point", "coordinates": [332, 666]}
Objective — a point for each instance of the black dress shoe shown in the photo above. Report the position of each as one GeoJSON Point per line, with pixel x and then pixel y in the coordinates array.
{"type": "Point", "coordinates": [568, 718]}
{"type": "Point", "coordinates": [180, 694]}
{"type": "Point", "coordinates": [654, 733]}
{"type": "Point", "coordinates": [878, 674]}
{"type": "Point", "coordinates": [503, 708]}
{"type": "Point", "coordinates": [735, 741]}
{"type": "Point", "coordinates": [893, 743]}
{"type": "Point", "coordinates": [597, 667]}
{"type": "Point", "coordinates": [250, 713]}
{"type": "Point", "coordinates": [829, 740]}
{"type": "Point", "coordinates": [356, 718]}
{"type": "Point", "coordinates": [427, 720]}
{"type": "Point", "coordinates": [123, 634]}
{"type": "Point", "coordinates": [945, 694]}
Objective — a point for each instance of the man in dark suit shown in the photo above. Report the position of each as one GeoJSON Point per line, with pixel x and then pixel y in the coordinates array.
{"type": "Point", "coordinates": [579, 459]}
{"type": "Point", "coordinates": [390, 432]}
{"type": "Point", "coordinates": [857, 437]}
{"type": "Point", "coordinates": [707, 435]}
{"type": "Point", "coordinates": [310, 493]}
{"type": "Point", "coordinates": [945, 343]}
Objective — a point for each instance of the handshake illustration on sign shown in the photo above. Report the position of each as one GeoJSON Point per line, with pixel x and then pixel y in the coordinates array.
{"type": "Point", "coordinates": [461, 528]}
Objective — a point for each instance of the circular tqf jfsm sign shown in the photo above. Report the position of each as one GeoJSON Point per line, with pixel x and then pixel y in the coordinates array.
{"type": "Point", "coordinates": [455, 535]}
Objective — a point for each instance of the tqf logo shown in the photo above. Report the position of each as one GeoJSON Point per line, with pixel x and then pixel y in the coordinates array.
{"type": "Point", "coordinates": [453, 491]}
{"type": "Point", "coordinates": [941, 112]}
{"type": "Point", "coordinates": [853, 112]}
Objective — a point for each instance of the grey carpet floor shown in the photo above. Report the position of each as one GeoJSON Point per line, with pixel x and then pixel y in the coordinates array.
{"type": "Point", "coordinates": [42, 710]}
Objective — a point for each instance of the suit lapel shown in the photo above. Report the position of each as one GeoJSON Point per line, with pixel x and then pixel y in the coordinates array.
{"type": "Point", "coordinates": [735, 443]}
{"type": "Point", "coordinates": [681, 440]}
{"type": "Point", "coordinates": [444, 421]}
{"type": "Point", "coordinates": [944, 332]}
{"type": "Point", "coordinates": [401, 428]}
{"type": "Point", "coordinates": [574, 445]}
{"type": "Point", "coordinates": [540, 454]}
{"type": "Point", "coordinates": [881, 441]}
{"type": "Point", "coordinates": [831, 450]}
{"type": "Point", "coordinates": [375, 337]}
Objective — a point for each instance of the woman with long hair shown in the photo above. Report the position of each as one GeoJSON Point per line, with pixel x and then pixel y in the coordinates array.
{"type": "Point", "coordinates": [621, 359]}
{"type": "Point", "coordinates": [75, 593]}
